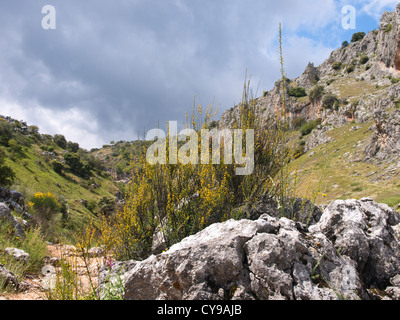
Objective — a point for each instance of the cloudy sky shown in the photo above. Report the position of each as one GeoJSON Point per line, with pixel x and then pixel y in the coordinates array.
{"type": "Point", "coordinates": [112, 69]}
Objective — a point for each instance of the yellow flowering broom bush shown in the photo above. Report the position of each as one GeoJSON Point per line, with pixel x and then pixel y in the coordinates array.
{"type": "Point", "coordinates": [45, 207]}
{"type": "Point", "coordinates": [179, 200]}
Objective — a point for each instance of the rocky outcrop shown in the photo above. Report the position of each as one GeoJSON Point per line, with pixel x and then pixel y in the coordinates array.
{"type": "Point", "coordinates": [318, 137]}
{"type": "Point", "coordinates": [380, 50]}
{"type": "Point", "coordinates": [7, 278]}
{"type": "Point", "coordinates": [7, 217]}
{"type": "Point", "coordinates": [17, 254]}
{"type": "Point", "coordinates": [309, 77]}
{"type": "Point", "coordinates": [301, 210]}
{"type": "Point", "coordinates": [384, 143]}
{"type": "Point", "coordinates": [15, 201]}
{"type": "Point", "coordinates": [353, 252]}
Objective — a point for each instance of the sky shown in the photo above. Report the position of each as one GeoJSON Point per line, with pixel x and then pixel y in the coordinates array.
{"type": "Point", "coordinates": [113, 70]}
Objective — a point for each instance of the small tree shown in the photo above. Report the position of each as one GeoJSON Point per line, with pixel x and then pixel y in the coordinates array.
{"type": "Point", "coordinates": [316, 93]}
{"type": "Point", "coordinates": [297, 92]}
{"type": "Point", "coordinates": [60, 140]}
{"type": "Point", "coordinates": [45, 208]}
{"type": "Point", "coordinates": [350, 68]}
{"type": "Point", "coordinates": [336, 65]}
{"type": "Point", "coordinates": [58, 167]}
{"type": "Point", "coordinates": [72, 146]}
{"type": "Point", "coordinates": [364, 59]}
{"type": "Point", "coordinates": [7, 175]}
{"type": "Point", "coordinates": [358, 36]}
{"type": "Point", "coordinates": [329, 100]}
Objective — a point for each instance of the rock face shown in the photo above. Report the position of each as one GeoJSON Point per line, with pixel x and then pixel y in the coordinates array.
{"type": "Point", "coordinates": [7, 278]}
{"type": "Point", "coordinates": [352, 252]}
{"type": "Point", "coordinates": [7, 217]}
{"type": "Point", "coordinates": [376, 61]}
{"type": "Point", "coordinates": [18, 254]}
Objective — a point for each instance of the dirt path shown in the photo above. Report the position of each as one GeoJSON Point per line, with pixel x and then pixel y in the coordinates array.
{"type": "Point", "coordinates": [33, 283]}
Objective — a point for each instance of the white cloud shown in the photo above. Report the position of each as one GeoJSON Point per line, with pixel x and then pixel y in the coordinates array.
{"type": "Point", "coordinates": [76, 124]}
{"type": "Point", "coordinates": [374, 8]}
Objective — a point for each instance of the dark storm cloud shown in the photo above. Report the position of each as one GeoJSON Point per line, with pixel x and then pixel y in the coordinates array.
{"type": "Point", "coordinates": [123, 66]}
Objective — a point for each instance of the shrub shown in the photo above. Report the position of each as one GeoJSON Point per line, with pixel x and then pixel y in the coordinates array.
{"type": "Point", "coordinates": [15, 147]}
{"type": "Point", "coordinates": [72, 146]}
{"type": "Point", "coordinates": [350, 68]}
{"type": "Point", "coordinates": [329, 100]}
{"type": "Point", "coordinates": [357, 36]}
{"type": "Point", "coordinates": [389, 28]}
{"type": "Point", "coordinates": [298, 122]}
{"type": "Point", "coordinates": [181, 200]}
{"type": "Point", "coordinates": [60, 141]}
{"type": "Point", "coordinates": [76, 165]}
{"type": "Point", "coordinates": [6, 133]}
{"type": "Point", "coordinates": [345, 44]}
{"type": "Point", "coordinates": [7, 175]}
{"type": "Point", "coordinates": [310, 126]}
{"type": "Point", "coordinates": [307, 128]}
{"type": "Point", "coordinates": [316, 93]}
{"type": "Point", "coordinates": [299, 151]}
{"type": "Point", "coordinates": [394, 80]}
{"type": "Point", "coordinates": [336, 65]}
{"type": "Point", "coordinates": [364, 59]}
{"type": "Point", "coordinates": [58, 167]}
{"type": "Point", "coordinates": [45, 208]}
{"type": "Point", "coordinates": [106, 206]}
{"type": "Point", "coordinates": [46, 201]}
{"type": "Point", "coordinates": [297, 92]}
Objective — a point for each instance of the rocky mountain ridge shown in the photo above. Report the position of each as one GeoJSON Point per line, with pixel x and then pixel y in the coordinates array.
{"type": "Point", "coordinates": [351, 253]}
{"type": "Point", "coordinates": [361, 79]}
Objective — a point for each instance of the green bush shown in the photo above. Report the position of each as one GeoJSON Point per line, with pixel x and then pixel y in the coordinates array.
{"type": "Point", "coordinates": [307, 128]}
{"type": "Point", "coordinates": [297, 92]}
{"type": "Point", "coordinates": [310, 126]}
{"type": "Point", "coordinates": [58, 167]}
{"type": "Point", "coordinates": [336, 65]}
{"type": "Point", "coordinates": [6, 132]}
{"type": "Point", "coordinates": [76, 165]}
{"type": "Point", "coordinates": [15, 147]}
{"type": "Point", "coordinates": [299, 151]}
{"type": "Point", "coordinates": [298, 122]}
{"type": "Point", "coordinates": [60, 141]}
{"type": "Point", "coordinates": [72, 146]}
{"type": "Point", "coordinates": [7, 175]}
{"type": "Point", "coordinates": [106, 206]}
{"type": "Point", "coordinates": [364, 59]}
{"type": "Point", "coordinates": [358, 36]}
{"type": "Point", "coordinates": [46, 208]}
{"type": "Point", "coordinates": [316, 93]}
{"type": "Point", "coordinates": [350, 68]}
{"type": "Point", "coordinates": [329, 100]}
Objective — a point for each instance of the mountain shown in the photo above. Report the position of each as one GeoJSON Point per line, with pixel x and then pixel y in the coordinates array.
{"type": "Point", "coordinates": [351, 103]}
{"type": "Point", "coordinates": [45, 164]}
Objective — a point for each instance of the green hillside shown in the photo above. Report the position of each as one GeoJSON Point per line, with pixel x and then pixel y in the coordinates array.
{"type": "Point", "coordinates": [72, 174]}
{"type": "Point", "coordinates": [337, 170]}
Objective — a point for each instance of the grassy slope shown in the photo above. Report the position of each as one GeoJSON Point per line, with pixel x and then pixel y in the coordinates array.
{"type": "Point", "coordinates": [34, 174]}
{"type": "Point", "coordinates": [335, 170]}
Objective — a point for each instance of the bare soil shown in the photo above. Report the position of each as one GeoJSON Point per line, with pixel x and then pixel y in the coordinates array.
{"type": "Point", "coordinates": [33, 283]}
